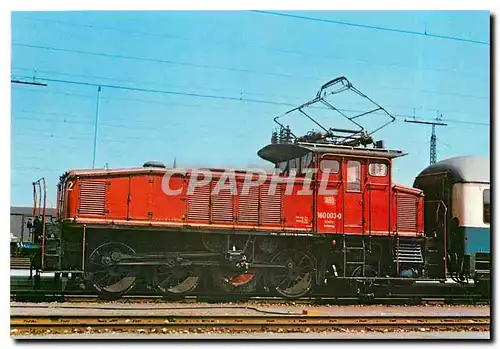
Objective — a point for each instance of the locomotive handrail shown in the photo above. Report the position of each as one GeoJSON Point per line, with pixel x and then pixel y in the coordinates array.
{"type": "Point", "coordinates": [407, 190]}
{"type": "Point", "coordinates": [378, 184]}
{"type": "Point", "coordinates": [34, 200]}
{"type": "Point", "coordinates": [38, 183]}
{"type": "Point", "coordinates": [441, 202]}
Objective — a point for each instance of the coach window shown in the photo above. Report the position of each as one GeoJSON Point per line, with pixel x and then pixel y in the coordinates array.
{"type": "Point", "coordinates": [353, 176]}
{"type": "Point", "coordinates": [377, 169]}
{"type": "Point", "coordinates": [486, 206]}
{"type": "Point", "coordinates": [329, 165]}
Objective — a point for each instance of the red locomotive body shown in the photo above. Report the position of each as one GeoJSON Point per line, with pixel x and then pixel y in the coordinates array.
{"type": "Point", "coordinates": [358, 197]}
{"type": "Point", "coordinates": [330, 213]}
{"type": "Point", "coordinates": [136, 197]}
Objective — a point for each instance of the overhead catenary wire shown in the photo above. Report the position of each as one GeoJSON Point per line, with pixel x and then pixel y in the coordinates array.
{"type": "Point", "coordinates": [90, 123]}
{"type": "Point", "coordinates": [248, 71]}
{"type": "Point", "coordinates": [243, 93]}
{"type": "Point", "coordinates": [164, 61]}
{"type": "Point", "coordinates": [240, 44]}
{"type": "Point", "coordinates": [146, 82]}
{"type": "Point", "coordinates": [138, 89]}
{"type": "Point", "coordinates": [239, 110]}
{"type": "Point", "coordinates": [198, 95]}
{"type": "Point", "coordinates": [365, 26]}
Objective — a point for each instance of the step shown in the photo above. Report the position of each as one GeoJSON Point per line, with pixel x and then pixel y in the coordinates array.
{"type": "Point", "coordinates": [412, 253]}
{"type": "Point", "coordinates": [20, 263]}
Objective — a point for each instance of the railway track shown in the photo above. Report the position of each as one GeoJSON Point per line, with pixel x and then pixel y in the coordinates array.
{"type": "Point", "coordinates": [436, 293]}
{"type": "Point", "coordinates": [318, 300]}
{"type": "Point", "coordinates": [308, 322]}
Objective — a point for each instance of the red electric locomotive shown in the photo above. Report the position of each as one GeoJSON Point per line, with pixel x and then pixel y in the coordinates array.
{"type": "Point", "coordinates": [329, 214]}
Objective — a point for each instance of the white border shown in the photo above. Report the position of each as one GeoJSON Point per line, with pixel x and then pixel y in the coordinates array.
{"type": "Point", "coordinates": [59, 5]}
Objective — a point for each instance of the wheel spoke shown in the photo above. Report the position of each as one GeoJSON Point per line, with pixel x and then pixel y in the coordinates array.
{"type": "Point", "coordinates": [282, 281]}
{"type": "Point", "coordinates": [113, 280]}
{"type": "Point", "coordinates": [279, 276]}
{"type": "Point", "coordinates": [98, 264]}
{"type": "Point", "coordinates": [298, 280]}
{"type": "Point", "coordinates": [105, 277]}
{"type": "Point", "coordinates": [110, 280]}
{"type": "Point", "coordinates": [303, 258]}
{"type": "Point", "coordinates": [176, 282]}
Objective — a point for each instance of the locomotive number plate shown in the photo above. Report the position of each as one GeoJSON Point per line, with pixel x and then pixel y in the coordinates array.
{"type": "Point", "coordinates": [329, 215]}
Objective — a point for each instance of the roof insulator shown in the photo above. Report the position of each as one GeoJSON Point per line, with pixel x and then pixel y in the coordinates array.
{"type": "Point", "coordinates": [156, 164]}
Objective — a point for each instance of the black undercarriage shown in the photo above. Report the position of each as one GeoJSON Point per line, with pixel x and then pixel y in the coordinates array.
{"type": "Point", "coordinates": [112, 262]}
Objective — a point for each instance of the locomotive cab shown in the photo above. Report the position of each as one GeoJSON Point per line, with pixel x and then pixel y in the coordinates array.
{"type": "Point", "coordinates": [353, 190]}
{"type": "Point", "coordinates": [375, 227]}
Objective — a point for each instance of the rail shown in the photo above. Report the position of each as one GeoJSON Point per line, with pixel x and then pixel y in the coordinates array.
{"type": "Point", "coordinates": [53, 324]}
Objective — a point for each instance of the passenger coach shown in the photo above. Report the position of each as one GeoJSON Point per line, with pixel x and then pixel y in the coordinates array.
{"type": "Point", "coordinates": [457, 193]}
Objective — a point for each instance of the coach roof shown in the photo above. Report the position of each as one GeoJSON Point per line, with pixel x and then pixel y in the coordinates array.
{"type": "Point", "coordinates": [462, 169]}
{"type": "Point", "coordinates": [282, 152]}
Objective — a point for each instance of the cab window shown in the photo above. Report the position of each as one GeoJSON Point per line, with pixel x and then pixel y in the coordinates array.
{"type": "Point", "coordinates": [329, 165]}
{"type": "Point", "coordinates": [486, 206]}
{"type": "Point", "coordinates": [353, 176]}
{"type": "Point", "coordinates": [377, 169]}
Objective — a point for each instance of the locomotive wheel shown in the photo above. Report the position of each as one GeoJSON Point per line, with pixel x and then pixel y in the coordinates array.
{"type": "Point", "coordinates": [297, 278]}
{"type": "Point", "coordinates": [175, 281]}
{"type": "Point", "coordinates": [109, 280]}
{"type": "Point", "coordinates": [228, 280]}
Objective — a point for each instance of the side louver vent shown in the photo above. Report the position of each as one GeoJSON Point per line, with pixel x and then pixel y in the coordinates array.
{"type": "Point", "coordinates": [199, 203]}
{"type": "Point", "coordinates": [410, 253]}
{"type": "Point", "coordinates": [222, 205]}
{"type": "Point", "coordinates": [92, 197]}
{"type": "Point", "coordinates": [407, 212]}
{"type": "Point", "coordinates": [270, 204]}
{"type": "Point", "coordinates": [248, 205]}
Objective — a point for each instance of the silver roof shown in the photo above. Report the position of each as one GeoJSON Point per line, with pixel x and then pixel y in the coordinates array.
{"type": "Point", "coordinates": [462, 169]}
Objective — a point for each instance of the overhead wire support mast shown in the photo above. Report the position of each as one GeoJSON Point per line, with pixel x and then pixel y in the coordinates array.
{"type": "Point", "coordinates": [96, 124]}
{"type": "Point", "coordinates": [433, 145]}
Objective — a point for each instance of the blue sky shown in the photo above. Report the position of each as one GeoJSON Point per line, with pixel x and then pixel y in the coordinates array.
{"type": "Point", "coordinates": [246, 55]}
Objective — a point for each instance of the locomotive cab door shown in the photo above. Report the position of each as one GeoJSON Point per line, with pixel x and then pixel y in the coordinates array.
{"type": "Point", "coordinates": [377, 195]}
{"type": "Point", "coordinates": [353, 174]}
{"type": "Point", "coordinates": [329, 215]}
